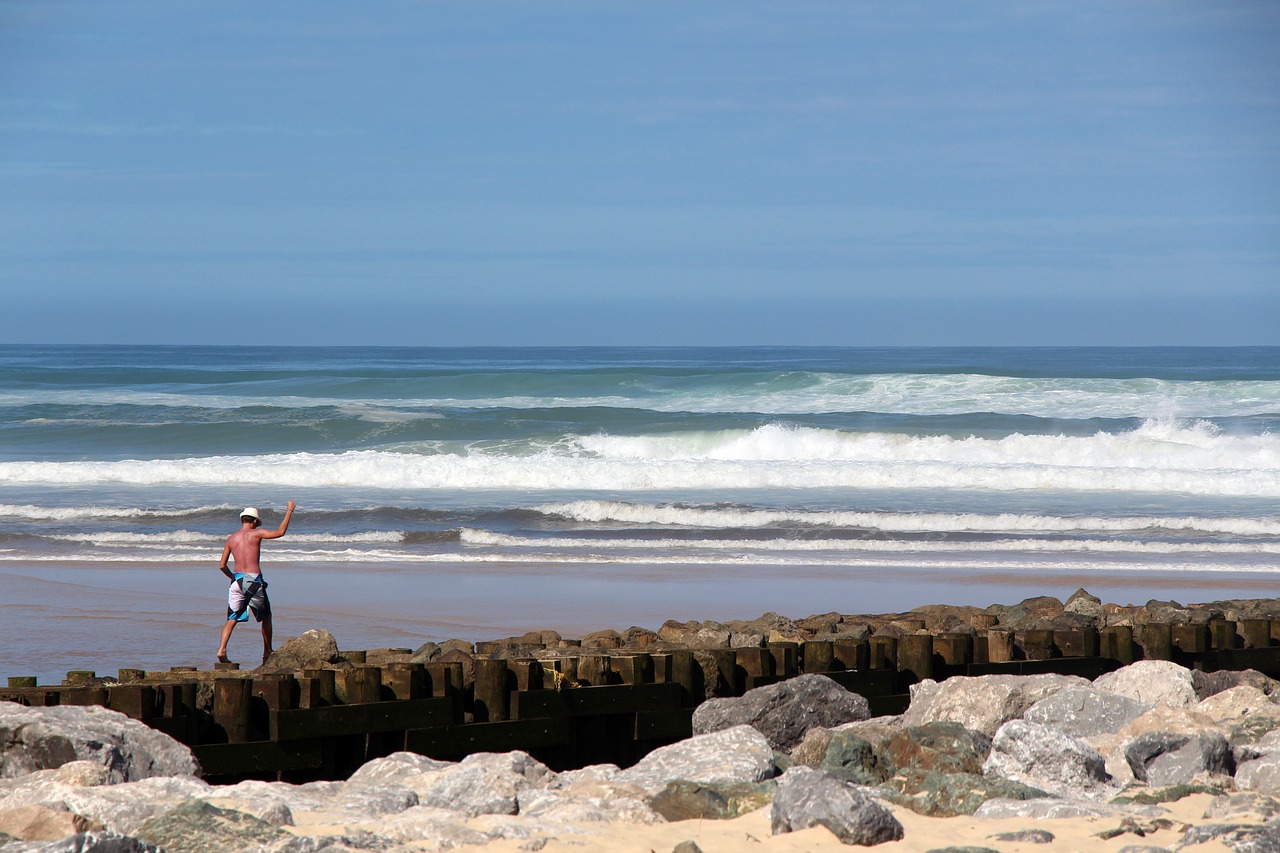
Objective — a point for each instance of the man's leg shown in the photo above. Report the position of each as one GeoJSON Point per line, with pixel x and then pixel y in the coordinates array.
{"type": "Point", "coordinates": [266, 638]}
{"type": "Point", "coordinates": [226, 636]}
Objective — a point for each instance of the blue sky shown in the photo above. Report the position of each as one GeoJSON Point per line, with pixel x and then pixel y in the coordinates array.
{"type": "Point", "coordinates": [640, 173]}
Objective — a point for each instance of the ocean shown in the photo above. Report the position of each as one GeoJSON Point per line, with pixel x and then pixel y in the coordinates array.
{"type": "Point", "coordinates": [483, 492]}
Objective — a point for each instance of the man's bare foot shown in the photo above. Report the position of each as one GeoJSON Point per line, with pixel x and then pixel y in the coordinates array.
{"type": "Point", "coordinates": [268, 653]}
{"type": "Point", "coordinates": [222, 658]}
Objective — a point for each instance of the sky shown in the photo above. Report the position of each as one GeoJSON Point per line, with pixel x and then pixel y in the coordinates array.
{"type": "Point", "coordinates": [642, 173]}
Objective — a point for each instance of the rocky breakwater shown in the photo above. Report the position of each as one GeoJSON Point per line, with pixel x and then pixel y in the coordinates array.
{"type": "Point", "coordinates": [1048, 750]}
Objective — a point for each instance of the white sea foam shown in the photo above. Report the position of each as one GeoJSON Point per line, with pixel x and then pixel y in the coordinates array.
{"type": "Point", "coordinates": [597, 511]}
{"type": "Point", "coordinates": [143, 540]}
{"type": "Point", "coordinates": [1156, 458]}
{"type": "Point", "coordinates": [799, 393]}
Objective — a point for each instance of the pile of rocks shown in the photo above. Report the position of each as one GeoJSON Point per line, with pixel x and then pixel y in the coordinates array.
{"type": "Point", "coordinates": [1036, 747]}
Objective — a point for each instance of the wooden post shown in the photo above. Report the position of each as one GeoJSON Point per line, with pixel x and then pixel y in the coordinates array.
{"type": "Point", "coordinates": [1037, 644]}
{"type": "Point", "coordinates": [22, 681]}
{"type": "Point", "coordinates": [686, 672]}
{"type": "Point", "coordinates": [80, 677]}
{"type": "Point", "coordinates": [1076, 643]}
{"type": "Point", "coordinates": [324, 689]}
{"type": "Point", "coordinates": [852, 654]}
{"type": "Point", "coordinates": [1156, 639]}
{"type": "Point", "coordinates": [127, 675]}
{"type": "Point", "coordinates": [133, 700]}
{"type": "Point", "coordinates": [84, 696]}
{"type": "Point", "coordinates": [594, 670]}
{"type": "Point", "coordinates": [954, 649]}
{"type": "Point", "coordinates": [817, 656]}
{"type": "Point", "coordinates": [634, 668]}
{"type": "Point", "coordinates": [526, 673]}
{"type": "Point", "coordinates": [231, 707]}
{"type": "Point", "coordinates": [753, 663]}
{"type": "Point", "coordinates": [915, 657]}
{"type": "Point", "coordinates": [361, 685]}
{"type": "Point", "coordinates": [444, 679]}
{"type": "Point", "coordinates": [492, 691]}
{"type": "Point", "coordinates": [403, 680]}
{"type": "Point", "coordinates": [1000, 645]}
{"type": "Point", "coordinates": [1256, 633]}
{"type": "Point", "coordinates": [1222, 634]}
{"type": "Point", "coordinates": [883, 652]}
{"type": "Point", "coordinates": [1116, 643]}
{"type": "Point", "coordinates": [785, 658]}
{"type": "Point", "coordinates": [1190, 637]}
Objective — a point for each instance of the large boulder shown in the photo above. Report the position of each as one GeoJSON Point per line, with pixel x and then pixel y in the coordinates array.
{"type": "Point", "coordinates": [739, 754]}
{"type": "Point", "coordinates": [982, 703]}
{"type": "Point", "coordinates": [313, 648]}
{"type": "Point", "coordinates": [198, 827]}
{"type": "Point", "coordinates": [785, 711]}
{"type": "Point", "coordinates": [34, 739]}
{"type": "Point", "coordinates": [83, 842]}
{"type": "Point", "coordinates": [807, 797]}
{"type": "Point", "coordinates": [1046, 758]}
{"type": "Point", "coordinates": [1261, 774]}
{"type": "Point", "coordinates": [935, 794]}
{"type": "Point", "coordinates": [1156, 682]}
{"type": "Point", "coordinates": [1168, 758]}
{"type": "Point", "coordinates": [1082, 710]}
{"type": "Point", "coordinates": [683, 800]}
{"type": "Point", "coordinates": [945, 747]}
{"type": "Point", "coordinates": [1161, 718]}
{"type": "Point", "coordinates": [485, 783]}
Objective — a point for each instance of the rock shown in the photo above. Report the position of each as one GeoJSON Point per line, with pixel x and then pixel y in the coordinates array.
{"type": "Point", "coordinates": [946, 747]}
{"type": "Point", "coordinates": [687, 847]}
{"type": "Point", "coordinates": [1240, 838]}
{"type": "Point", "coordinates": [1026, 836]}
{"type": "Point", "coordinates": [85, 842]}
{"type": "Point", "coordinates": [425, 653]}
{"type": "Point", "coordinates": [485, 783]}
{"type": "Point", "coordinates": [1161, 718]}
{"type": "Point", "coordinates": [739, 754]}
{"type": "Point", "coordinates": [314, 648]}
{"type": "Point", "coordinates": [43, 823]}
{"type": "Point", "coordinates": [639, 638]}
{"type": "Point", "coordinates": [621, 804]}
{"type": "Point", "coordinates": [967, 848]}
{"type": "Point", "coordinates": [683, 800]}
{"type": "Point", "coordinates": [407, 769]}
{"type": "Point", "coordinates": [1054, 809]}
{"type": "Point", "coordinates": [1167, 758]}
{"type": "Point", "coordinates": [197, 827]}
{"type": "Point", "coordinates": [1085, 711]}
{"type": "Point", "coordinates": [1236, 703]}
{"type": "Point", "coordinates": [808, 797]}
{"type": "Point", "coordinates": [937, 794]}
{"type": "Point", "coordinates": [42, 738]}
{"type": "Point", "coordinates": [1045, 758]}
{"type": "Point", "coordinates": [120, 808]}
{"type": "Point", "coordinates": [812, 748]}
{"type": "Point", "coordinates": [982, 703]}
{"type": "Point", "coordinates": [1156, 682]}
{"type": "Point", "coordinates": [606, 639]}
{"type": "Point", "coordinates": [439, 828]}
{"type": "Point", "coordinates": [1209, 684]}
{"type": "Point", "coordinates": [1235, 805]}
{"type": "Point", "coordinates": [1261, 774]}
{"type": "Point", "coordinates": [853, 759]}
{"type": "Point", "coordinates": [1084, 604]}
{"type": "Point", "coordinates": [785, 711]}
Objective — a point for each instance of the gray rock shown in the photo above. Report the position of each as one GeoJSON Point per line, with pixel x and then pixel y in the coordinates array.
{"type": "Point", "coordinates": [687, 847]}
{"type": "Point", "coordinates": [485, 783]}
{"type": "Point", "coordinates": [946, 747]}
{"type": "Point", "coordinates": [120, 808]}
{"type": "Point", "coordinates": [1142, 848]}
{"type": "Point", "coordinates": [1212, 683]}
{"type": "Point", "coordinates": [1046, 758]}
{"type": "Point", "coordinates": [313, 648]}
{"type": "Point", "coordinates": [683, 800]}
{"type": "Point", "coordinates": [807, 797]}
{"type": "Point", "coordinates": [1166, 758]}
{"type": "Point", "coordinates": [440, 828]}
{"type": "Point", "coordinates": [739, 754]}
{"type": "Point", "coordinates": [785, 711]}
{"type": "Point", "coordinates": [198, 827]}
{"type": "Point", "coordinates": [1082, 711]}
{"type": "Point", "coordinates": [407, 769]}
{"type": "Point", "coordinates": [84, 842]}
{"type": "Point", "coordinates": [1241, 838]}
{"type": "Point", "coordinates": [1156, 682]}
{"type": "Point", "coordinates": [1261, 774]}
{"type": "Point", "coordinates": [1233, 805]}
{"type": "Point", "coordinates": [852, 758]}
{"type": "Point", "coordinates": [982, 703]}
{"type": "Point", "coordinates": [1053, 808]}
{"type": "Point", "coordinates": [935, 794]}
{"type": "Point", "coordinates": [1026, 836]}
{"type": "Point", "coordinates": [42, 738]}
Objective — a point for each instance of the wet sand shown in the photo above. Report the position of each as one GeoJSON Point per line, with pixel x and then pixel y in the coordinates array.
{"type": "Point", "coordinates": [57, 617]}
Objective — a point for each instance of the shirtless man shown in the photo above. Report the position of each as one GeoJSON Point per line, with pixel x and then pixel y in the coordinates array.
{"type": "Point", "coordinates": [248, 590]}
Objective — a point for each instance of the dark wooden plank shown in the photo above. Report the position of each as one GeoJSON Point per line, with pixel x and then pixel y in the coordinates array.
{"type": "Point", "coordinates": [235, 759]}
{"type": "Point", "coordinates": [459, 741]}
{"type": "Point", "coordinates": [361, 719]}
{"type": "Point", "coordinates": [676, 724]}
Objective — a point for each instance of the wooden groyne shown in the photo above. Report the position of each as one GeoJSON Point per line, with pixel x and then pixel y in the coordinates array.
{"type": "Point", "coordinates": [570, 707]}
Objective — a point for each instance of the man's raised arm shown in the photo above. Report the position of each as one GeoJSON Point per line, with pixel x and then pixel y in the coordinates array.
{"type": "Point", "coordinates": [284, 525]}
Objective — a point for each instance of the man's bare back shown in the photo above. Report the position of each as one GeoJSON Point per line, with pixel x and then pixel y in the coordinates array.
{"type": "Point", "coordinates": [244, 547]}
